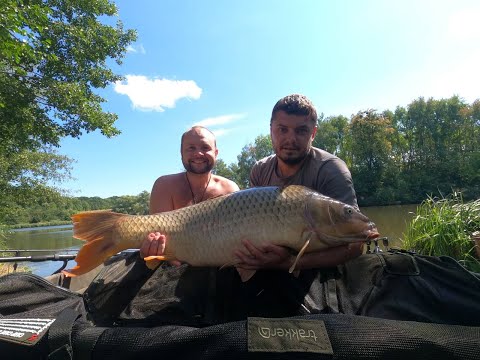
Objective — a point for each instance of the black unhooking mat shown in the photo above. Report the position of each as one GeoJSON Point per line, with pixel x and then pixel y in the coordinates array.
{"type": "Point", "coordinates": [379, 306]}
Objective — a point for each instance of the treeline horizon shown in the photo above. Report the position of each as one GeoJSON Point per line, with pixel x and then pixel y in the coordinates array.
{"type": "Point", "coordinates": [430, 148]}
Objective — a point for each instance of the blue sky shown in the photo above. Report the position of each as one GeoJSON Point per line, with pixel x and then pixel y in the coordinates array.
{"type": "Point", "coordinates": [224, 64]}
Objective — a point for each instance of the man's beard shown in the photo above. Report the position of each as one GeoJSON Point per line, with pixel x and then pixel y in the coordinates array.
{"type": "Point", "coordinates": [205, 169]}
{"type": "Point", "coordinates": [293, 160]}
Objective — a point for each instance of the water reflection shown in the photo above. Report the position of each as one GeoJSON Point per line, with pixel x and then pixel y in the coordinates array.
{"type": "Point", "coordinates": [391, 221]}
{"type": "Point", "coordinates": [55, 239]}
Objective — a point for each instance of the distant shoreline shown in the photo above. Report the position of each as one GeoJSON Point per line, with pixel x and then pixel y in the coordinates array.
{"type": "Point", "coordinates": [41, 224]}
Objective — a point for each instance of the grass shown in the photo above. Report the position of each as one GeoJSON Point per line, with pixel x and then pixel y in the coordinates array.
{"type": "Point", "coordinates": [446, 226]}
{"type": "Point", "coordinates": [8, 269]}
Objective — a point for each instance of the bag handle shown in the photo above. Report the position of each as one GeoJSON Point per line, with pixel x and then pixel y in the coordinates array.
{"type": "Point", "coordinates": [60, 335]}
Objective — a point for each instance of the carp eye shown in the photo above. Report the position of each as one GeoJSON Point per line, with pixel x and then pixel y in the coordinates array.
{"type": "Point", "coordinates": [349, 211]}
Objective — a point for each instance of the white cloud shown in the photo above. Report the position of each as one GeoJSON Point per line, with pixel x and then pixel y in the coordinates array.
{"type": "Point", "coordinates": [221, 132]}
{"type": "Point", "coordinates": [219, 120]}
{"type": "Point", "coordinates": [156, 94]}
{"type": "Point", "coordinates": [136, 49]}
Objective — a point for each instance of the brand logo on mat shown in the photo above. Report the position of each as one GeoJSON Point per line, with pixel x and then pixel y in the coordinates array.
{"type": "Point", "coordinates": [23, 331]}
{"type": "Point", "coordinates": [287, 335]}
{"type": "Point", "coordinates": [290, 333]}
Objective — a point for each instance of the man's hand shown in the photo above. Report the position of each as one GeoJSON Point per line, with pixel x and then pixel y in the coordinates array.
{"type": "Point", "coordinates": [154, 245]}
{"type": "Point", "coordinates": [277, 257]}
{"type": "Point", "coordinates": [266, 256]}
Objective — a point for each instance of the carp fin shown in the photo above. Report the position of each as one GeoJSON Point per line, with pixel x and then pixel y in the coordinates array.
{"type": "Point", "coordinates": [154, 261]}
{"type": "Point", "coordinates": [245, 274]}
{"type": "Point", "coordinates": [96, 228]}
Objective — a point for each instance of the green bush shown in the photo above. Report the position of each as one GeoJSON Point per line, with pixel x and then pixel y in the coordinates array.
{"type": "Point", "coordinates": [445, 227]}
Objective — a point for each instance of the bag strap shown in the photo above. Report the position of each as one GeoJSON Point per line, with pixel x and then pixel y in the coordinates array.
{"type": "Point", "coordinates": [85, 342]}
{"type": "Point", "coordinates": [60, 335]}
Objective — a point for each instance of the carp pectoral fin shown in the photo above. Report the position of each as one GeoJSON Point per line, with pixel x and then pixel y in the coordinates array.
{"type": "Point", "coordinates": [245, 274]}
{"type": "Point", "coordinates": [153, 262]}
{"type": "Point", "coordinates": [156, 257]}
{"type": "Point", "coordinates": [300, 253]}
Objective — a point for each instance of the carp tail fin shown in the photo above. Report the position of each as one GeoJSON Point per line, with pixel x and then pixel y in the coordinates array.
{"type": "Point", "coordinates": [96, 228]}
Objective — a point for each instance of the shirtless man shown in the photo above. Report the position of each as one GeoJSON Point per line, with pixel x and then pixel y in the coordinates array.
{"type": "Point", "coordinates": [170, 192]}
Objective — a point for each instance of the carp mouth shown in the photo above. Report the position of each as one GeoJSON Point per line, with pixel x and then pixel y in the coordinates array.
{"type": "Point", "coordinates": [367, 234]}
{"type": "Point", "coordinates": [363, 231]}
{"type": "Point", "coordinates": [335, 240]}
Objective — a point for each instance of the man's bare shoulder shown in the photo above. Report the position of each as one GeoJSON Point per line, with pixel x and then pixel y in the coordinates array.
{"type": "Point", "coordinates": [169, 179]}
{"type": "Point", "coordinates": [225, 184]}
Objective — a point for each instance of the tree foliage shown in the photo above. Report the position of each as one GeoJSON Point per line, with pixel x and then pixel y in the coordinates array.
{"type": "Point", "coordinates": [331, 134]}
{"type": "Point", "coordinates": [53, 55]}
{"type": "Point", "coordinates": [240, 171]}
{"type": "Point", "coordinates": [24, 177]}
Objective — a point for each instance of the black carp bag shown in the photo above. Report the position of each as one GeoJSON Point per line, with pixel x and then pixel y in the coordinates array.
{"type": "Point", "coordinates": [393, 285]}
{"type": "Point", "coordinates": [378, 306]}
{"type": "Point", "coordinates": [37, 318]}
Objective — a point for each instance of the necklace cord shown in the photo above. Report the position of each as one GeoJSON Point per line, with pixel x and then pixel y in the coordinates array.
{"type": "Point", "coordinates": [204, 190]}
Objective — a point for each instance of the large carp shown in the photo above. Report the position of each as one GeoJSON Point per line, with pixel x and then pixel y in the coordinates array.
{"type": "Point", "coordinates": [206, 234]}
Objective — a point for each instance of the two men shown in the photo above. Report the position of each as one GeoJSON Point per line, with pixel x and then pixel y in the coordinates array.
{"type": "Point", "coordinates": [292, 129]}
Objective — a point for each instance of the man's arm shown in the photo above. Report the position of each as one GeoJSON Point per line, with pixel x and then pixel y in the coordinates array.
{"type": "Point", "coordinates": [160, 197]}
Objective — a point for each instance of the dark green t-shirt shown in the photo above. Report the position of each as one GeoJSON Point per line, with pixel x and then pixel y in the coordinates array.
{"type": "Point", "coordinates": [321, 171]}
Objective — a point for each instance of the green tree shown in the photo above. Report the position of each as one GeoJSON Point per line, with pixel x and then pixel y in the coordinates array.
{"type": "Point", "coordinates": [251, 153]}
{"type": "Point", "coordinates": [53, 55]}
{"type": "Point", "coordinates": [331, 133]}
{"type": "Point", "coordinates": [130, 204]}
{"type": "Point", "coordinates": [440, 145]}
{"type": "Point", "coordinates": [370, 146]}
{"type": "Point", "coordinates": [222, 169]}
{"type": "Point", "coordinates": [27, 178]}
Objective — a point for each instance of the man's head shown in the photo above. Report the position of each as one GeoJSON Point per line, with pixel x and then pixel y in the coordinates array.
{"type": "Point", "coordinates": [199, 150]}
{"type": "Point", "coordinates": [293, 126]}
{"type": "Point", "coordinates": [296, 104]}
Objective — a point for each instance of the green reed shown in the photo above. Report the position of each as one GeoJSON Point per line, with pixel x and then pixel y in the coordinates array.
{"type": "Point", "coordinates": [445, 227]}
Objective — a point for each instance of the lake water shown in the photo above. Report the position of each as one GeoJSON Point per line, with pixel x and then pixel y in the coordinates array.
{"type": "Point", "coordinates": [391, 222]}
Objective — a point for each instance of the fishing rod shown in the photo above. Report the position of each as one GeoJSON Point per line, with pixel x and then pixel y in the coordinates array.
{"type": "Point", "coordinates": [50, 257]}
{"type": "Point", "coordinates": [37, 258]}
{"type": "Point", "coordinates": [19, 251]}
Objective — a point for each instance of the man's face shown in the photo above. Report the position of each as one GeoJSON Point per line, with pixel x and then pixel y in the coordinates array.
{"type": "Point", "coordinates": [199, 152]}
{"type": "Point", "coordinates": [292, 136]}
